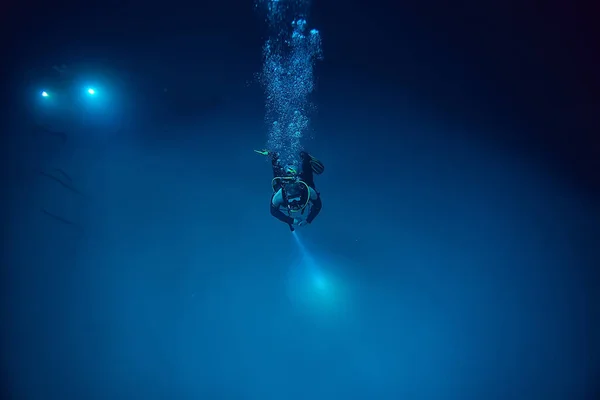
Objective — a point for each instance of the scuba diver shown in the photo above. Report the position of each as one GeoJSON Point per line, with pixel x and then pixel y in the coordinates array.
{"type": "Point", "coordinates": [295, 200]}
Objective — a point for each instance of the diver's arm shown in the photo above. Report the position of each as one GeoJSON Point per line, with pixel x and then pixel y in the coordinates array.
{"type": "Point", "coordinates": [276, 201]}
{"type": "Point", "coordinates": [281, 216]}
{"type": "Point", "coordinates": [316, 206]}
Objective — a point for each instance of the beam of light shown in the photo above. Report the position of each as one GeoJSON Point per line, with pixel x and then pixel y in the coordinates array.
{"type": "Point", "coordinates": [315, 273]}
{"type": "Point", "coordinates": [314, 287]}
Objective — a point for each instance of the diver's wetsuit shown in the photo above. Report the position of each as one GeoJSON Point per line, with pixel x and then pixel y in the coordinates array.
{"type": "Point", "coordinates": [306, 175]}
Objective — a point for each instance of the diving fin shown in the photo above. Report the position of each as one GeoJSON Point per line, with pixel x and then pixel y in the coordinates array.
{"type": "Point", "coordinates": [316, 165]}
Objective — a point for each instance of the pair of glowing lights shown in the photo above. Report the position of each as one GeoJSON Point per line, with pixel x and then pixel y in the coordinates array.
{"type": "Point", "coordinates": [90, 91]}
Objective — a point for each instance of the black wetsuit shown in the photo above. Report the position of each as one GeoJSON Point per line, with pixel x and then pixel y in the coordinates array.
{"type": "Point", "coordinates": [306, 175]}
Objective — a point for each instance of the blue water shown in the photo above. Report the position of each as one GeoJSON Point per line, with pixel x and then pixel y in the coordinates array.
{"type": "Point", "coordinates": [444, 264]}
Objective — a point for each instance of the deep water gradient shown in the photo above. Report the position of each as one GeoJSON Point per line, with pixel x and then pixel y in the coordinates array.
{"type": "Point", "coordinates": [442, 266]}
{"type": "Point", "coordinates": [457, 266]}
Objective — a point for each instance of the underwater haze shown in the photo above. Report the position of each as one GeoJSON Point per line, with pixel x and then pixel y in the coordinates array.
{"type": "Point", "coordinates": [456, 255]}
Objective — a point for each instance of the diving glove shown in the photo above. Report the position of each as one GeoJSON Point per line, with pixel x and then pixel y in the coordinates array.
{"type": "Point", "coordinates": [299, 222]}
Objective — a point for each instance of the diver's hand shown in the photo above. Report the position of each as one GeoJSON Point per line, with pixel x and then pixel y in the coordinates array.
{"type": "Point", "coordinates": [299, 222]}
